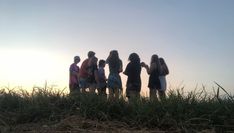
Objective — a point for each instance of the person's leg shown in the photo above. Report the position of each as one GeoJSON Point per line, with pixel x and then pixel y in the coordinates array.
{"type": "Point", "coordinates": [111, 93]}
{"type": "Point", "coordinates": [103, 91]}
{"type": "Point", "coordinates": [138, 95]}
{"type": "Point", "coordinates": [71, 88]}
{"type": "Point", "coordinates": [153, 94]}
{"type": "Point", "coordinates": [130, 96]}
{"type": "Point", "coordinates": [76, 88]}
{"type": "Point", "coordinates": [83, 85]}
{"type": "Point", "coordinates": [162, 95]}
{"type": "Point", "coordinates": [116, 93]}
{"type": "Point", "coordinates": [134, 94]}
{"type": "Point", "coordinates": [163, 84]}
{"type": "Point", "coordinates": [92, 88]}
{"type": "Point", "coordinates": [99, 91]}
{"type": "Point", "coordinates": [162, 91]}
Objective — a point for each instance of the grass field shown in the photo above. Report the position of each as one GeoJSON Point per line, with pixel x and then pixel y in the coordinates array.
{"type": "Point", "coordinates": [188, 112]}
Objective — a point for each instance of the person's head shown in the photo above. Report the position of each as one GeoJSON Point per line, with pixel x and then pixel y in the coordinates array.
{"type": "Point", "coordinates": [113, 58]}
{"type": "Point", "coordinates": [114, 54]}
{"type": "Point", "coordinates": [76, 59]}
{"type": "Point", "coordinates": [161, 60]}
{"type": "Point", "coordinates": [91, 54]}
{"type": "Point", "coordinates": [93, 60]}
{"type": "Point", "coordinates": [154, 59]}
{"type": "Point", "coordinates": [102, 63]}
{"type": "Point", "coordinates": [134, 57]}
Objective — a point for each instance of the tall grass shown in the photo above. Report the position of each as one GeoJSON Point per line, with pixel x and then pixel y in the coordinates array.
{"type": "Point", "coordinates": [195, 109]}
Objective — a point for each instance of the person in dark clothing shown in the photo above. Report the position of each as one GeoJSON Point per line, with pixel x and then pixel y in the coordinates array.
{"type": "Point", "coordinates": [154, 71]}
{"type": "Point", "coordinates": [133, 71]}
{"type": "Point", "coordinates": [92, 74]}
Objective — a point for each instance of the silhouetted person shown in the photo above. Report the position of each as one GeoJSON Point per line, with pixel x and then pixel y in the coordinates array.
{"type": "Point", "coordinates": [83, 74]}
{"type": "Point", "coordinates": [133, 71]}
{"type": "Point", "coordinates": [162, 77]}
{"type": "Point", "coordinates": [154, 71]}
{"type": "Point", "coordinates": [92, 74]}
{"type": "Point", "coordinates": [114, 82]}
{"type": "Point", "coordinates": [73, 76]}
{"type": "Point", "coordinates": [101, 78]}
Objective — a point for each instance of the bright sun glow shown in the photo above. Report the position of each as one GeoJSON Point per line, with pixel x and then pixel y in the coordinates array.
{"type": "Point", "coordinates": [31, 67]}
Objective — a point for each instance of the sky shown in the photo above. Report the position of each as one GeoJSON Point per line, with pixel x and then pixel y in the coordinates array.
{"type": "Point", "coordinates": [38, 39]}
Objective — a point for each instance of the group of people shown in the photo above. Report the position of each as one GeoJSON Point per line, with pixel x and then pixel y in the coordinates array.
{"type": "Point", "coordinates": [91, 75]}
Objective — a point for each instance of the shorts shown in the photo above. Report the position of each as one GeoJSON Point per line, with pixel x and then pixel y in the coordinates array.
{"type": "Point", "coordinates": [83, 83]}
{"type": "Point", "coordinates": [114, 81]}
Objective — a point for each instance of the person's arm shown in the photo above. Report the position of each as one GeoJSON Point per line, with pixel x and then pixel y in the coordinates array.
{"type": "Point", "coordinates": [72, 70]}
{"type": "Point", "coordinates": [166, 69]}
{"type": "Point", "coordinates": [147, 69]}
{"type": "Point", "coordinates": [126, 71]}
{"type": "Point", "coordinates": [96, 76]}
{"type": "Point", "coordinates": [150, 68]}
{"type": "Point", "coordinates": [104, 74]}
{"type": "Point", "coordinates": [145, 66]}
{"type": "Point", "coordinates": [121, 66]}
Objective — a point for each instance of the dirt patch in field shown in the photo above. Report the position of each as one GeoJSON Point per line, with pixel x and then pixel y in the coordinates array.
{"type": "Point", "coordinates": [78, 124]}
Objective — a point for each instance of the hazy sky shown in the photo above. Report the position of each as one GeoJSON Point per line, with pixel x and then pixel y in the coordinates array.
{"type": "Point", "coordinates": [38, 39]}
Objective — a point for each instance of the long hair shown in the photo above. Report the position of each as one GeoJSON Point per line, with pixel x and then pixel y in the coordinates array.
{"type": "Point", "coordinates": [165, 69]}
{"type": "Point", "coordinates": [155, 59]}
{"type": "Point", "coordinates": [113, 59]}
{"type": "Point", "coordinates": [161, 60]}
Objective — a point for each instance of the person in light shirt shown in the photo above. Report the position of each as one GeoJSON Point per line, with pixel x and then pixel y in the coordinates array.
{"type": "Point", "coordinates": [73, 75]}
{"type": "Point", "coordinates": [162, 77]}
{"type": "Point", "coordinates": [101, 78]}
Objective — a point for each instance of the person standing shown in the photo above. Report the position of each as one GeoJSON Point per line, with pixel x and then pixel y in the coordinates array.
{"type": "Point", "coordinates": [133, 71]}
{"type": "Point", "coordinates": [154, 71]}
{"type": "Point", "coordinates": [73, 76]}
{"type": "Point", "coordinates": [92, 74]}
{"type": "Point", "coordinates": [83, 74]}
{"type": "Point", "coordinates": [114, 82]}
{"type": "Point", "coordinates": [101, 78]}
{"type": "Point", "coordinates": [162, 77]}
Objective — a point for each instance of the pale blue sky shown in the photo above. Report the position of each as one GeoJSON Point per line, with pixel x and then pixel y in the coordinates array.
{"type": "Point", "coordinates": [195, 37]}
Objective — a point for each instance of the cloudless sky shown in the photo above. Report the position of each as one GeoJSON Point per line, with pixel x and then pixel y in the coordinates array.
{"type": "Point", "coordinates": [38, 39]}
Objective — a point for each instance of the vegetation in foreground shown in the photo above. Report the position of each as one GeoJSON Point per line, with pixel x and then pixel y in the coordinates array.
{"type": "Point", "coordinates": [193, 111]}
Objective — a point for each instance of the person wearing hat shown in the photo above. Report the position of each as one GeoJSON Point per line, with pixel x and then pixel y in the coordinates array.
{"type": "Point", "coordinates": [84, 72]}
{"type": "Point", "coordinates": [73, 75]}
